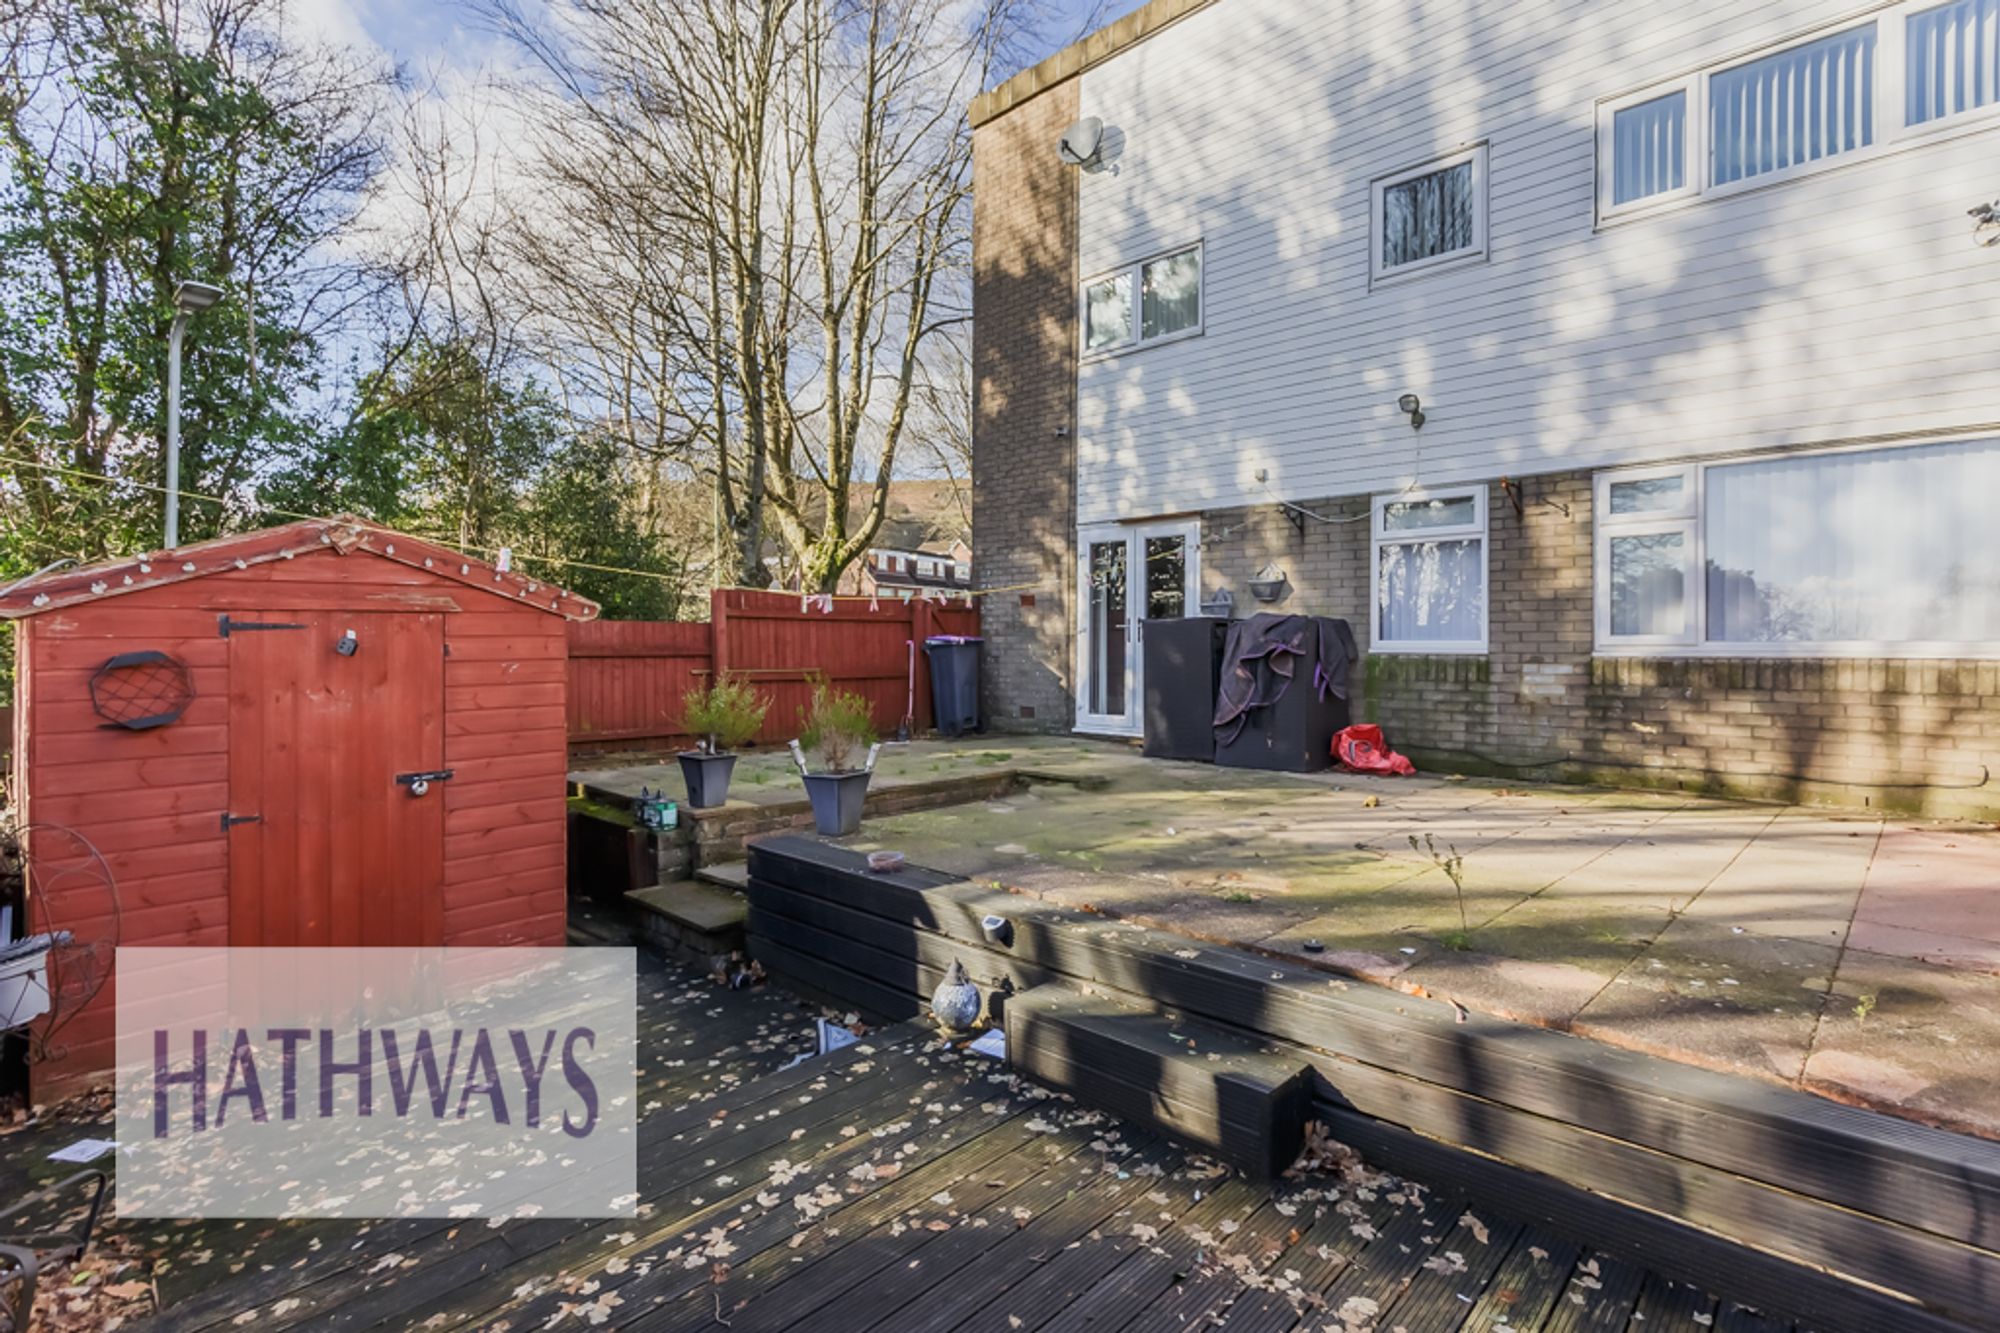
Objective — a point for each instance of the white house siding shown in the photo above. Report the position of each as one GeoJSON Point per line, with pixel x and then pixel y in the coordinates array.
{"type": "Point", "coordinates": [1842, 305]}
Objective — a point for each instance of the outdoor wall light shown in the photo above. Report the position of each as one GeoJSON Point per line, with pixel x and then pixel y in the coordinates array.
{"type": "Point", "coordinates": [1986, 224]}
{"type": "Point", "coordinates": [1411, 405]}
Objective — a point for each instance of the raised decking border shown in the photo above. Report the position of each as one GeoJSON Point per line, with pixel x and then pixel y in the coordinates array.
{"type": "Point", "coordinates": [1852, 1219]}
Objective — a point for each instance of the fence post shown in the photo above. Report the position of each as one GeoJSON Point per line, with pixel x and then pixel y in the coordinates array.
{"type": "Point", "coordinates": [921, 626]}
{"type": "Point", "coordinates": [718, 634]}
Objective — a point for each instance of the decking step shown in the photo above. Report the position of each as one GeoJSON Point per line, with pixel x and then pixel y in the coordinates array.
{"type": "Point", "coordinates": [690, 920]}
{"type": "Point", "coordinates": [1221, 1092]}
{"type": "Point", "coordinates": [726, 874]}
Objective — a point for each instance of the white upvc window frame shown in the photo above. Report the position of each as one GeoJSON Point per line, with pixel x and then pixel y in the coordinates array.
{"type": "Point", "coordinates": [1693, 159]}
{"type": "Point", "coordinates": [1479, 528]}
{"type": "Point", "coordinates": [1697, 645]}
{"type": "Point", "coordinates": [1380, 273]}
{"type": "Point", "coordinates": [1136, 272]}
{"type": "Point", "coordinates": [1893, 42]}
{"type": "Point", "coordinates": [1887, 109]}
{"type": "Point", "coordinates": [1892, 133]}
{"type": "Point", "coordinates": [1683, 519]}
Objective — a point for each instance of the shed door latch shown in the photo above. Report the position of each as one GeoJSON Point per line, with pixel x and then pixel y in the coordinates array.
{"type": "Point", "coordinates": [230, 821]}
{"type": "Point", "coordinates": [419, 783]}
{"type": "Point", "coordinates": [225, 626]}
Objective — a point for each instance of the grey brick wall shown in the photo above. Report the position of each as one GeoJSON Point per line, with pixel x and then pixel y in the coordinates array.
{"type": "Point", "coordinates": [1903, 735]}
{"type": "Point", "coordinates": [1024, 341]}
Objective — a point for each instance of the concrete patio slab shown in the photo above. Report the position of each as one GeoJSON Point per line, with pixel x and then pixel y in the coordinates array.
{"type": "Point", "coordinates": [1912, 1036]}
{"type": "Point", "coordinates": [1730, 935]}
{"type": "Point", "coordinates": [1710, 995]}
{"type": "Point", "coordinates": [1933, 893]}
{"type": "Point", "coordinates": [1799, 878]}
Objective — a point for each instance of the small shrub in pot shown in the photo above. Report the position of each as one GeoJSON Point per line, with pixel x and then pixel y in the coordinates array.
{"type": "Point", "coordinates": [836, 734]}
{"type": "Point", "coordinates": [720, 718]}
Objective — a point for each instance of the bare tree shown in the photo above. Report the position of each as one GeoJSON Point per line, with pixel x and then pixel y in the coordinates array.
{"type": "Point", "coordinates": [750, 228]}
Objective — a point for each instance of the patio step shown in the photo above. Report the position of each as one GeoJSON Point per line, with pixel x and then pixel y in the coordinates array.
{"type": "Point", "coordinates": [690, 920]}
{"type": "Point", "coordinates": [732, 875]}
{"type": "Point", "coordinates": [1242, 1101]}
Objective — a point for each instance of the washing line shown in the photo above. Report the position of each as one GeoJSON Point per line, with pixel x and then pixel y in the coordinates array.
{"type": "Point", "coordinates": [485, 551]}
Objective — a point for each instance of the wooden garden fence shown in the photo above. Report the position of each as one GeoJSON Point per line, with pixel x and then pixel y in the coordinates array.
{"type": "Point", "coordinates": [626, 677]}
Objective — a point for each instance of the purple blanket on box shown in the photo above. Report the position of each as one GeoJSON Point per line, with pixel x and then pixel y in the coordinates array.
{"type": "Point", "coordinates": [1258, 662]}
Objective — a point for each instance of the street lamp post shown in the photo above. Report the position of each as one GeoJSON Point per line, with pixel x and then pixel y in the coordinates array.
{"type": "Point", "coordinates": [189, 298]}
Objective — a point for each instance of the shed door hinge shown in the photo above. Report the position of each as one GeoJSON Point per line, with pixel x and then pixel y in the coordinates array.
{"type": "Point", "coordinates": [225, 626]}
{"type": "Point", "coordinates": [230, 821]}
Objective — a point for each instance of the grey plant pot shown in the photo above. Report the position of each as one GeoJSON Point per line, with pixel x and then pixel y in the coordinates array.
{"type": "Point", "coordinates": [707, 777]}
{"type": "Point", "coordinates": [836, 800]}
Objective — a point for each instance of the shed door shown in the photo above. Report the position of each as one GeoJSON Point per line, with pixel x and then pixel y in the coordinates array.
{"type": "Point", "coordinates": [328, 848]}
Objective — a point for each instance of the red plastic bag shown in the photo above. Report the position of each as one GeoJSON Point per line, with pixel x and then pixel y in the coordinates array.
{"type": "Point", "coordinates": [1361, 749]}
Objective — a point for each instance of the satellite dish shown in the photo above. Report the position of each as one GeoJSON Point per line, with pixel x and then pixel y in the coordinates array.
{"type": "Point", "coordinates": [1079, 143]}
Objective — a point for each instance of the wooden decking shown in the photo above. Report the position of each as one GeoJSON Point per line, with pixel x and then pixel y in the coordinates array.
{"type": "Point", "coordinates": [904, 1185]}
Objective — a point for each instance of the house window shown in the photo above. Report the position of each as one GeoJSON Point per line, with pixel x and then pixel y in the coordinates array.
{"type": "Point", "coordinates": [1150, 301]}
{"type": "Point", "coordinates": [1432, 215]}
{"type": "Point", "coordinates": [1107, 313]}
{"type": "Point", "coordinates": [1648, 149]}
{"type": "Point", "coordinates": [1645, 556]}
{"type": "Point", "coordinates": [1805, 106]}
{"type": "Point", "coordinates": [1870, 552]}
{"type": "Point", "coordinates": [1170, 294]}
{"type": "Point", "coordinates": [1429, 572]}
{"type": "Point", "coordinates": [1811, 101]}
{"type": "Point", "coordinates": [1951, 60]}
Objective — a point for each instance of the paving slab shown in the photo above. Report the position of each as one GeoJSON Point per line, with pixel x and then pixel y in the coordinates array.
{"type": "Point", "coordinates": [1799, 878]}
{"type": "Point", "coordinates": [1911, 1037]}
{"type": "Point", "coordinates": [1719, 997]}
{"type": "Point", "coordinates": [1933, 892]}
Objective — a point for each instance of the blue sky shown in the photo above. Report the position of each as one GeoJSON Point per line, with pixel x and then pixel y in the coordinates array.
{"type": "Point", "coordinates": [426, 35]}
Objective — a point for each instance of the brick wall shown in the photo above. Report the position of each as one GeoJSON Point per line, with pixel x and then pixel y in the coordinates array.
{"type": "Point", "coordinates": [1024, 342]}
{"type": "Point", "coordinates": [1917, 735]}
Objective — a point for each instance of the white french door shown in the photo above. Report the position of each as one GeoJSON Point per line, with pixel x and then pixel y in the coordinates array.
{"type": "Point", "coordinates": [1128, 573]}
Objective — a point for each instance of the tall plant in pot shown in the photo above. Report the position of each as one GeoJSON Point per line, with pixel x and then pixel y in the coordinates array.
{"type": "Point", "coordinates": [835, 732]}
{"type": "Point", "coordinates": [720, 718]}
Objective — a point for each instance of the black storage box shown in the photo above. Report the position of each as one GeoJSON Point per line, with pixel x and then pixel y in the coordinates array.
{"type": "Point", "coordinates": [1183, 666]}
{"type": "Point", "coordinates": [1294, 735]}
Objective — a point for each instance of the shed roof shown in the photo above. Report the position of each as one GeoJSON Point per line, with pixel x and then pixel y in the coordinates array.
{"type": "Point", "coordinates": [344, 535]}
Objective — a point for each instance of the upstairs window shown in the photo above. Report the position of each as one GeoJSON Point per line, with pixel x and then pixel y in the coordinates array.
{"type": "Point", "coordinates": [1647, 148]}
{"type": "Point", "coordinates": [1107, 313]}
{"type": "Point", "coordinates": [1951, 60]}
{"type": "Point", "coordinates": [1151, 301]}
{"type": "Point", "coordinates": [1799, 105]}
{"type": "Point", "coordinates": [1431, 215]}
{"type": "Point", "coordinates": [1805, 106]}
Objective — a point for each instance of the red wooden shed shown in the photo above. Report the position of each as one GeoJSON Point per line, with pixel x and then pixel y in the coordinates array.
{"type": "Point", "coordinates": [325, 733]}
